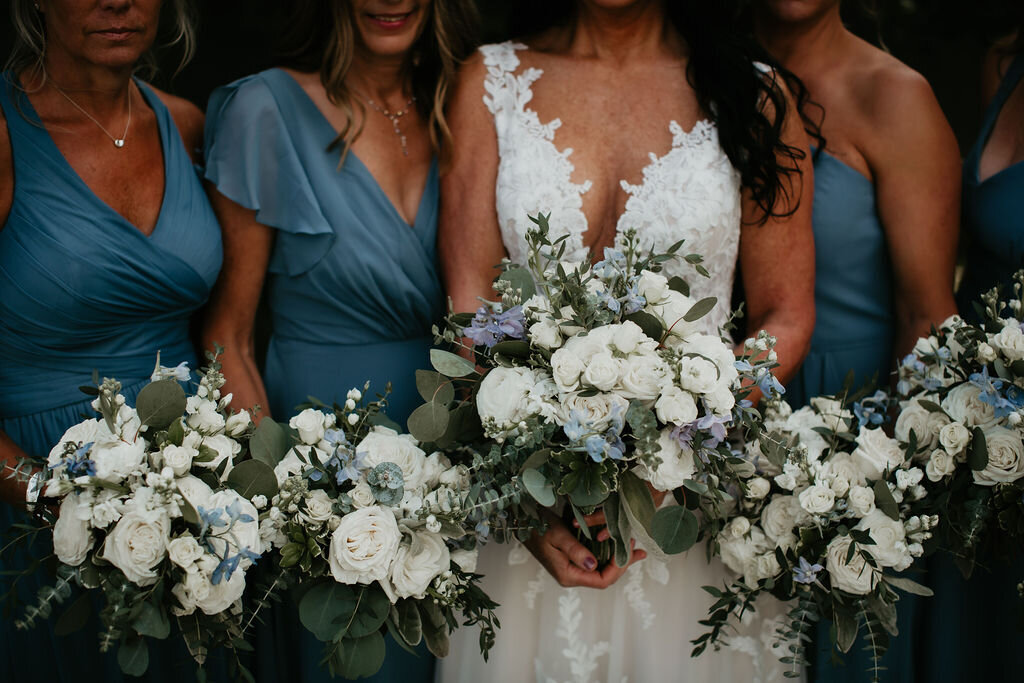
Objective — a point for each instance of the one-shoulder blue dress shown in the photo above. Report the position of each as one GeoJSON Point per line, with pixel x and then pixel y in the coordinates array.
{"type": "Point", "coordinates": [352, 288]}
{"type": "Point", "coordinates": [82, 289]}
{"type": "Point", "coordinates": [853, 331]}
{"type": "Point", "coordinates": [975, 627]}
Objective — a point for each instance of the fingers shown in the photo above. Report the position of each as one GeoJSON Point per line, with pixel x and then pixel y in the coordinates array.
{"type": "Point", "coordinates": [613, 572]}
{"type": "Point", "coordinates": [595, 519]}
{"type": "Point", "coordinates": [563, 540]}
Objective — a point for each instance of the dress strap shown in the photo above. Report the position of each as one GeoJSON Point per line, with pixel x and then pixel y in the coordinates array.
{"type": "Point", "coordinates": [506, 91]}
{"type": "Point", "coordinates": [1006, 88]}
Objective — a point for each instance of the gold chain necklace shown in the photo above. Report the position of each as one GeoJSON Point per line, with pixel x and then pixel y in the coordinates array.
{"type": "Point", "coordinates": [395, 117]}
{"type": "Point", "coordinates": [118, 142]}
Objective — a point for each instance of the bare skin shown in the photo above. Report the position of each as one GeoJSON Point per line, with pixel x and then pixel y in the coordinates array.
{"type": "Point", "coordinates": [882, 120]}
{"type": "Point", "coordinates": [1005, 145]}
{"type": "Point", "coordinates": [616, 77]}
{"type": "Point", "coordinates": [377, 73]}
{"type": "Point", "coordinates": [95, 71]}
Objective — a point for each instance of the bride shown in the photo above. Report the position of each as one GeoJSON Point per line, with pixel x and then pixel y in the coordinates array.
{"type": "Point", "coordinates": [645, 114]}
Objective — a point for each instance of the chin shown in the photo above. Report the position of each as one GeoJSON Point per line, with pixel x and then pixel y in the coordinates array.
{"type": "Point", "coordinates": [388, 31]}
{"type": "Point", "coordinates": [797, 10]}
{"type": "Point", "coordinates": [116, 53]}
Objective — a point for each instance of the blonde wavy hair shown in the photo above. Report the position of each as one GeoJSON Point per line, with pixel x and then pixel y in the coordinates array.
{"type": "Point", "coordinates": [321, 37]}
{"type": "Point", "coordinates": [29, 50]}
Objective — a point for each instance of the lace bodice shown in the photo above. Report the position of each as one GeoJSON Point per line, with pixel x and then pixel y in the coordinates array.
{"type": "Point", "coordinates": [692, 192]}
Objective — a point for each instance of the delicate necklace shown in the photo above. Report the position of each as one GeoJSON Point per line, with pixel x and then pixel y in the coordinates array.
{"type": "Point", "coordinates": [118, 142]}
{"type": "Point", "coordinates": [394, 117]}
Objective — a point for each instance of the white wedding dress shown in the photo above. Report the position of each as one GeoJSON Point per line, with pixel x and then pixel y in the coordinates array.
{"type": "Point", "coordinates": [640, 628]}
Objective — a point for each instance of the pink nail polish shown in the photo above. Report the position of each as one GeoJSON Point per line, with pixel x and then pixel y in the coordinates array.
{"type": "Point", "coordinates": [590, 564]}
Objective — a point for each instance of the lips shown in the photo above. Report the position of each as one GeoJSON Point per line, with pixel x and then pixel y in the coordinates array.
{"type": "Point", "coordinates": [117, 32]}
{"type": "Point", "coordinates": [390, 21]}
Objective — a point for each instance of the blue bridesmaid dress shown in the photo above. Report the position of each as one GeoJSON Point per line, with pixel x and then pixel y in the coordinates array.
{"type": "Point", "coordinates": [854, 330]}
{"type": "Point", "coordinates": [975, 627]}
{"type": "Point", "coordinates": [352, 288]}
{"type": "Point", "coordinates": [82, 289]}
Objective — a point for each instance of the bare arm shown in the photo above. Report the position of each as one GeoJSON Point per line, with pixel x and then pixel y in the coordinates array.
{"type": "Point", "coordinates": [916, 164]}
{"type": "Point", "coordinates": [777, 261]}
{"type": "Point", "coordinates": [232, 309]}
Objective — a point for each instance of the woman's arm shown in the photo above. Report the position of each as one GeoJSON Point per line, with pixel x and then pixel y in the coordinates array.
{"type": "Point", "coordinates": [777, 259]}
{"type": "Point", "coordinates": [232, 309]}
{"type": "Point", "coordinates": [916, 164]}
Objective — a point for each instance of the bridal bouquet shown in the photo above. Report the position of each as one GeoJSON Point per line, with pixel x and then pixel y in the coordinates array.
{"type": "Point", "coordinates": [595, 386]}
{"type": "Point", "coordinates": [374, 529]}
{"type": "Point", "coordinates": [156, 515]}
{"type": "Point", "coordinates": [835, 510]}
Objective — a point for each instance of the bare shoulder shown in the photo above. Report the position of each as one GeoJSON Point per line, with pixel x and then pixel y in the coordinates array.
{"type": "Point", "coordinates": [994, 67]}
{"type": "Point", "coordinates": [187, 117]}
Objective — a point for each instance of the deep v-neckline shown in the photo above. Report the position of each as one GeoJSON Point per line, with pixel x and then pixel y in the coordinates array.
{"type": "Point", "coordinates": [147, 96]}
{"type": "Point", "coordinates": [1006, 90]}
{"type": "Point", "coordinates": [361, 165]}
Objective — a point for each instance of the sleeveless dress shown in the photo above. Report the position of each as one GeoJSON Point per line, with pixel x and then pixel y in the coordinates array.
{"type": "Point", "coordinates": [82, 289]}
{"type": "Point", "coordinates": [975, 627]}
{"type": "Point", "coordinates": [640, 628]}
{"type": "Point", "coordinates": [352, 288]}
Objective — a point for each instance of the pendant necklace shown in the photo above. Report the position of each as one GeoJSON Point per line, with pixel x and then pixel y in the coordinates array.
{"type": "Point", "coordinates": [118, 142]}
{"type": "Point", "coordinates": [395, 117]}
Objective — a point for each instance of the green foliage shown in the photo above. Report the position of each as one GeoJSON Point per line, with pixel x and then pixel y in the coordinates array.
{"type": "Point", "coordinates": [674, 528]}
{"type": "Point", "coordinates": [538, 486]}
{"type": "Point", "coordinates": [253, 478]}
{"type": "Point", "coordinates": [269, 443]}
{"type": "Point", "coordinates": [450, 365]}
{"type": "Point", "coordinates": [160, 403]}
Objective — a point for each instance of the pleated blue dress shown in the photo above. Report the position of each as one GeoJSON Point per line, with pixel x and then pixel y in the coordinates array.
{"type": "Point", "coordinates": [352, 289]}
{"type": "Point", "coordinates": [82, 289]}
{"type": "Point", "coordinates": [975, 627]}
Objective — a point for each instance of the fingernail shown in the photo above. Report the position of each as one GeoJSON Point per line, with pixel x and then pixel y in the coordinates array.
{"type": "Point", "coordinates": [576, 523]}
{"type": "Point", "coordinates": [590, 564]}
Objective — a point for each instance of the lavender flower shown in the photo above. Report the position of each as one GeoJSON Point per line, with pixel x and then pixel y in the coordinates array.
{"type": "Point", "coordinates": [807, 573]}
{"type": "Point", "coordinates": [488, 327]}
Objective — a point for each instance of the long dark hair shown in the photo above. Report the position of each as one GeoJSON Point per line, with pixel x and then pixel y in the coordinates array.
{"type": "Point", "coordinates": [748, 106]}
{"type": "Point", "coordinates": [319, 36]}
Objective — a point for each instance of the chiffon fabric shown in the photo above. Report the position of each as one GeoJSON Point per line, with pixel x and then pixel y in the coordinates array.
{"type": "Point", "coordinates": [352, 289]}
{"type": "Point", "coordinates": [83, 290]}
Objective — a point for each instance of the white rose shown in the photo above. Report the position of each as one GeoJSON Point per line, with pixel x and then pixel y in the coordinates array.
{"type": "Point", "coordinates": [138, 543]}
{"type": "Point", "coordinates": [857, 577]}
{"type": "Point", "coordinates": [509, 395]}
{"type": "Point", "coordinates": [362, 495]}
{"type": "Point", "coordinates": [737, 528]}
{"type": "Point", "coordinates": [843, 466]}
{"type": "Point", "coordinates": [594, 410]}
{"type": "Point", "coordinates": [417, 563]}
{"type": "Point", "coordinates": [297, 460]}
{"type": "Point", "coordinates": [758, 488]}
{"type": "Point", "coordinates": [721, 400]}
{"type": "Point", "coordinates": [890, 548]}
{"type": "Point", "coordinates": [924, 423]}
{"type": "Point", "coordinates": [88, 431]}
{"type": "Point", "coordinates": [546, 334]}
{"type": "Point", "coordinates": [194, 490]}
{"type": "Point", "coordinates": [876, 453]}
{"type": "Point", "coordinates": [310, 426]}
{"type": "Point", "coordinates": [224, 447]}
{"type": "Point", "coordinates": [184, 551]}
{"type": "Point", "coordinates": [466, 559]}
{"type": "Point", "coordinates": [566, 368]}
{"type": "Point", "coordinates": [715, 350]}
{"type": "Point", "coordinates": [115, 460]}
{"type": "Point", "coordinates": [364, 546]}
{"type": "Point", "coordinates": [434, 466]}
{"type": "Point", "coordinates": [627, 337]}
{"type": "Point", "coordinates": [676, 406]}
{"type": "Point", "coordinates": [986, 353]}
{"type": "Point", "coordinates": [652, 286]}
{"type": "Point", "coordinates": [740, 554]}
{"type": "Point", "coordinates": [643, 377]}
{"type": "Point", "coordinates": [676, 464]}
{"type": "Point", "coordinates": [697, 374]}
{"type": "Point", "coordinates": [1005, 457]}
{"type": "Point", "coordinates": [671, 309]}
{"type": "Point", "coordinates": [203, 416]}
{"type": "Point", "coordinates": [456, 478]}
{"type": "Point", "coordinates": [766, 565]}
{"type": "Point", "coordinates": [861, 500]}
{"type": "Point", "coordinates": [779, 518]}
{"type": "Point", "coordinates": [319, 507]}
{"type": "Point", "coordinates": [238, 423]}
{"type": "Point", "coordinates": [179, 458]}
{"type": "Point", "coordinates": [817, 499]}
{"type": "Point", "coordinates": [387, 445]}
{"type": "Point", "coordinates": [803, 423]}
{"type": "Point", "coordinates": [940, 464]}
{"type": "Point", "coordinates": [963, 404]}
{"type": "Point", "coordinates": [602, 372]}
{"type": "Point", "coordinates": [908, 478]}
{"type": "Point", "coordinates": [245, 535]}
{"type": "Point", "coordinates": [1010, 340]}
{"type": "Point", "coordinates": [198, 591]}
{"type": "Point", "coordinates": [954, 437]}
{"type": "Point", "coordinates": [832, 414]}
{"type": "Point", "coordinates": [72, 539]}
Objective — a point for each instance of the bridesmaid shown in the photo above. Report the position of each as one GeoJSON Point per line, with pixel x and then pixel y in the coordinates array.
{"type": "Point", "coordinates": [324, 174]}
{"type": "Point", "coordinates": [974, 625]}
{"type": "Point", "coordinates": [886, 203]}
{"type": "Point", "coordinates": [107, 247]}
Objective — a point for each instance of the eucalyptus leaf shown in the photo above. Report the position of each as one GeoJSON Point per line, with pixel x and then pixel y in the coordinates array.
{"type": "Point", "coordinates": [513, 348]}
{"type": "Point", "coordinates": [977, 454]}
{"type": "Point", "coordinates": [700, 309]}
{"type": "Point", "coordinates": [930, 406]}
{"type": "Point", "coordinates": [152, 621]}
{"type": "Point", "coordinates": [359, 657]}
{"type": "Point", "coordinates": [884, 500]}
{"type": "Point", "coordinates": [133, 656]}
{"type": "Point", "coordinates": [429, 422]}
{"type": "Point", "coordinates": [680, 285]}
{"type": "Point", "coordinates": [449, 364]}
{"type": "Point", "coordinates": [269, 442]}
{"type": "Point", "coordinates": [253, 478]}
{"type": "Point", "coordinates": [612, 509]}
{"type": "Point", "coordinates": [371, 611]}
{"type": "Point", "coordinates": [520, 279]}
{"type": "Point", "coordinates": [536, 459]}
{"type": "Point", "coordinates": [538, 486]}
{"type": "Point", "coordinates": [433, 386]}
{"type": "Point", "coordinates": [74, 617]}
{"type": "Point", "coordinates": [176, 432]}
{"type": "Point", "coordinates": [651, 326]}
{"type": "Point", "coordinates": [160, 403]}
{"type": "Point", "coordinates": [192, 633]}
{"type": "Point", "coordinates": [674, 528]}
{"type": "Point", "coordinates": [590, 488]}
{"type": "Point", "coordinates": [324, 605]}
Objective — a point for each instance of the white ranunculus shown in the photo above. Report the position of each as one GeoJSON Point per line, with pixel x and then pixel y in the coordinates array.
{"type": "Point", "coordinates": [963, 404]}
{"type": "Point", "coordinates": [546, 334]}
{"type": "Point", "coordinates": [642, 377]}
{"type": "Point", "coordinates": [676, 406]}
{"type": "Point", "coordinates": [179, 458]}
{"type": "Point", "coordinates": [363, 547]}
{"type": "Point", "coordinates": [817, 499]}
{"type": "Point", "coordinates": [419, 559]}
{"type": "Point", "coordinates": [319, 507]}
{"type": "Point", "coordinates": [115, 460]}
{"type": "Point", "coordinates": [387, 445]}
{"type": "Point", "coordinates": [72, 539]}
{"type": "Point", "coordinates": [594, 410]}
{"type": "Point", "coordinates": [652, 286]}
{"type": "Point", "coordinates": [803, 423]}
{"type": "Point", "coordinates": [876, 453]}
{"type": "Point", "coordinates": [1010, 340]}
{"type": "Point", "coordinates": [238, 423]}
{"type": "Point", "coordinates": [194, 490]}
{"type": "Point", "coordinates": [954, 437]}
{"type": "Point", "coordinates": [310, 426]}
{"type": "Point", "coordinates": [832, 413]}
{"type": "Point", "coordinates": [890, 548]}
{"type": "Point", "coordinates": [602, 372]}
{"type": "Point", "coordinates": [138, 543]}
{"type": "Point", "coordinates": [676, 464]}
{"type": "Point", "coordinates": [362, 495]}
{"type": "Point", "coordinates": [1005, 457]}
{"type": "Point", "coordinates": [861, 500]}
{"type": "Point", "coordinates": [779, 517]}
{"type": "Point", "coordinates": [509, 395]}
{"type": "Point", "coordinates": [627, 337]}
{"type": "Point", "coordinates": [697, 374]}
{"type": "Point", "coordinates": [466, 559]}
{"type": "Point", "coordinates": [185, 551]}
{"type": "Point", "coordinates": [924, 423]}
{"type": "Point", "coordinates": [857, 577]}
{"type": "Point", "coordinates": [758, 488]}
{"type": "Point", "coordinates": [940, 464]}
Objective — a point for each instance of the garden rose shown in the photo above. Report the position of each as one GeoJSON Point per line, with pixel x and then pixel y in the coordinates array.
{"type": "Point", "coordinates": [417, 562]}
{"type": "Point", "coordinates": [364, 546]}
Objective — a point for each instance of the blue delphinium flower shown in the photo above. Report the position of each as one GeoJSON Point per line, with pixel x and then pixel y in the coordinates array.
{"type": "Point", "coordinates": [488, 328]}
{"type": "Point", "coordinates": [235, 514]}
{"type": "Point", "coordinates": [990, 393]}
{"type": "Point", "coordinates": [613, 264]}
{"type": "Point", "coordinates": [225, 568]}
{"type": "Point", "coordinates": [210, 518]}
{"type": "Point", "coordinates": [871, 410]}
{"type": "Point", "coordinates": [807, 573]}
{"type": "Point", "coordinates": [609, 301]}
{"type": "Point", "coordinates": [635, 301]}
{"type": "Point", "coordinates": [769, 385]}
{"type": "Point", "coordinates": [79, 464]}
{"type": "Point", "coordinates": [575, 429]}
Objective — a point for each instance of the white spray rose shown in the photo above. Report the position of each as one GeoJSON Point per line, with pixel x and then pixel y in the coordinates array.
{"type": "Point", "coordinates": [940, 464]}
{"type": "Point", "coordinates": [362, 495]}
{"type": "Point", "coordinates": [595, 410]}
{"type": "Point", "coordinates": [72, 539]}
{"type": "Point", "coordinates": [714, 349]}
{"type": "Point", "coordinates": [758, 488]}
{"type": "Point", "coordinates": [1010, 340]}
{"type": "Point", "coordinates": [138, 543]}
{"type": "Point", "coordinates": [817, 499]}
{"type": "Point", "coordinates": [890, 548]}
{"type": "Point", "coordinates": [185, 551]}
{"type": "Point", "coordinates": [670, 310]}
{"type": "Point", "coordinates": [643, 376]}
{"type": "Point", "coordinates": [963, 404]}
{"type": "Point", "coordinates": [115, 460]}
{"type": "Point", "coordinates": [857, 577]}
{"type": "Point", "coordinates": [602, 372]}
{"type": "Point", "coordinates": [319, 508]}
{"type": "Point", "coordinates": [566, 368]}
{"type": "Point", "coordinates": [238, 423]}
{"type": "Point", "coordinates": [876, 453]}
{"type": "Point", "coordinates": [954, 437]}
{"type": "Point", "coordinates": [509, 395]}
{"type": "Point", "coordinates": [780, 517]}
{"type": "Point", "coordinates": [466, 559]}
{"type": "Point", "coordinates": [87, 431]}
{"type": "Point", "coordinates": [1005, 457]}
{"type": "Point", "coordinates": [179, 458]}
{"type": "Point", "coordinates": [310, 426]}
{"type": "Point", "coordinates": [364, 546]}
{"type": "Point", "coordinates": [387, 445]}
{"type": "Point", "coordinates": [832, 413]}
{"type": "Point", "coordinates": [676, 464]}
{"type": "Point", "coordinates": [697, 374]}
{"type": "Point", "coordinates": [546, 334]}
{"type": "Point", "coordinates": [676, 406]}
{"type": "Point", "coordinates": [842, 465]}
{"type": "Point", "coordinates": [652, 286]}
{"type": "Point", "coordinates": [861, 500]}
{"type": "Point", "coordinates": [417, 562]}
{"type": "Point", "coordinates": [924, 423]}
